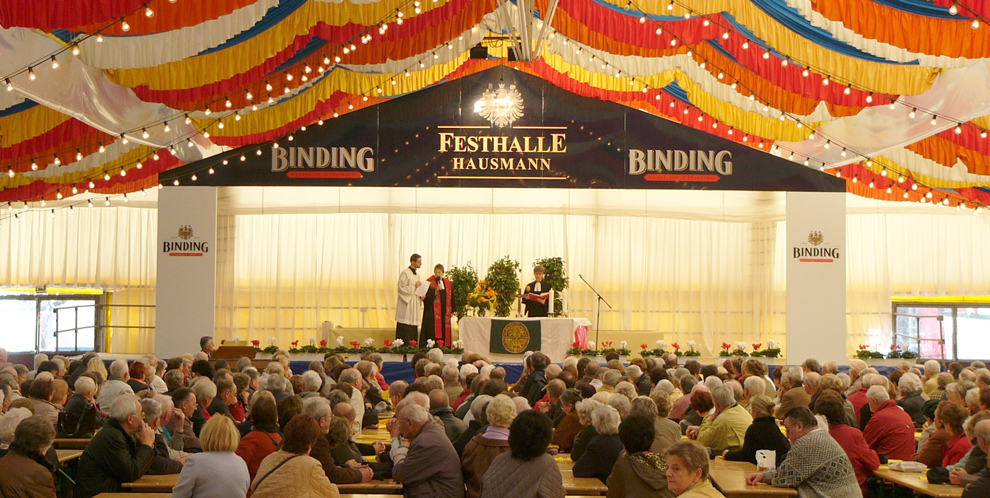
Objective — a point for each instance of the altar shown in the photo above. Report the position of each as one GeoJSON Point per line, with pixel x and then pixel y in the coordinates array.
{"type": "Point", "coordinates": [556, 336]}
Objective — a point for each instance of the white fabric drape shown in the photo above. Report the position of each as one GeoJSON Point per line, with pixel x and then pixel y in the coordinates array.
{"type": "Point", "coordinates": [909, 255]}
{"type": "Point", "coordinates": [105, 248]}
{"type": "Point", "coordinates": [684, 279]}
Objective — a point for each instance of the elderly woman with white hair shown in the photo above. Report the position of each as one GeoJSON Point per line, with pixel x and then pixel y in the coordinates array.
{"type": "Point", "coordinates": [603, 450]}
{"type": "Point", "coordinates": [911, 398]}
{"type": "Point", "coordinates": [584, 409]}
{"type": "Point", "coordinates": [8, 423]}
{"type": "Point", "coordinates": [484, 448]}
{"type": "Point", "coordinates": [115, 386]}
{"type": "Point", "coordinates": [82, 416]}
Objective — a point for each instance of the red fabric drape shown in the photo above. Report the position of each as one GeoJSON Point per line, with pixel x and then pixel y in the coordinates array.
{"type": "Point", "coordinates": [49, 15]}
{"type": "Point", "coordinates": [441, 323]}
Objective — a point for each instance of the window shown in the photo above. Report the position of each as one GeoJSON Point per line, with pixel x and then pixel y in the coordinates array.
{"type": "Point", "coordinates": [49, 321]}
{"type": "Point", "coordinates": [963, 326]}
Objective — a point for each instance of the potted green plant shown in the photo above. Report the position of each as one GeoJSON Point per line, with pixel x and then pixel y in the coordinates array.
{"type": "Point", "coordinates": [503, 277]}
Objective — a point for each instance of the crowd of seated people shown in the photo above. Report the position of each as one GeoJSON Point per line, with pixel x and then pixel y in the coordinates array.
{"type": "Point", "coordinates": [649, 427]}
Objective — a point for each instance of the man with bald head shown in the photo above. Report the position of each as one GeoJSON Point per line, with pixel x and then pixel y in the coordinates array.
{"type": "Point", "coordinates": [440, 408]}
{"type": "Point", "coordinates": [429, 466]}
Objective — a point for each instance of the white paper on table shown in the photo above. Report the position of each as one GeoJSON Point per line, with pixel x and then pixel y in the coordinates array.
{"type": "Point", "coordinates": [422, 289]}
{"type": "Point", "coordinates": [766, 459]}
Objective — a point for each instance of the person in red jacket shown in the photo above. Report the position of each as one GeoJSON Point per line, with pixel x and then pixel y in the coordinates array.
{"type": "Point", "coordinates": [953, 416]}
{"type": "Point", "coordinates": [891, 430]}
{"type": "Point", "coordinates": [864, 460]}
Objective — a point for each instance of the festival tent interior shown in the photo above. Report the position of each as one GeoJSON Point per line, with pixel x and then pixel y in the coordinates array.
{"type": "Point", "coordinates": [111, 103]}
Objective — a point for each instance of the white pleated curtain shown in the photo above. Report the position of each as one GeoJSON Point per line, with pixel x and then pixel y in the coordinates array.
{"type": "Point", "coordinates": [112, 249]}
{"type": "Point", "coordinates": [283, 275]}
{"type": "Point", "coordinates": [683, 280]}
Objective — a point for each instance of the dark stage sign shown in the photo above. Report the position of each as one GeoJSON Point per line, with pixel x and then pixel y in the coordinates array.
{"type": "Point", "coordinates": [505, 128]}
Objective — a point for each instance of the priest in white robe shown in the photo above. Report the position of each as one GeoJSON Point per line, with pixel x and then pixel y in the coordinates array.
{"type": "Point", "coordinates": [407, 307]}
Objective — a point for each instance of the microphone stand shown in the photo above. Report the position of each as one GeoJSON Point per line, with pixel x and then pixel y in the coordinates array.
{"type": "Point", "coordinates": [601, 300]}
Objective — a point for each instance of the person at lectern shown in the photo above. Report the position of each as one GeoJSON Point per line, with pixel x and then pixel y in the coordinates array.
{"type": "Point", "coordinates": [438, 307]}
{"type": "Point", "coordinates": [407, 313]}
{"type": "Point", "coordinates": [537, 294]}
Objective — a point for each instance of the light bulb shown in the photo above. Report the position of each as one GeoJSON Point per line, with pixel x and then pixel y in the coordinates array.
{"type": "Point", "coordinates": [166, 128]}
{"type": "Point", "coordinates": [124, 26]}
{"type": "Point", "coordinates": [54, 62]}
{"type": "Point", "coordinates": [75, 49]}
{"type": "Point", "coordinates": [10, 86]}
{"type": "Point", "coordinates": [847, 90]}
{"type": "Point", "coordinates": [248, 95]}
{"type": "Point", "coordinates": [958, 129]}
{"type": "Point", "coordinates": [102, 149]}
{"type": "Point", "coordinates": [869, 98]}
{"type": "Point", "coordinates": [31, 75]}
{"type": "Point", "coordinates": [912, 114]}
{"type": "Point", "coordinates": [144, 133]}
{"type": "Point", "coordinates": [99, 37]}
{"type": "Point", "coordinates": [953, 9]}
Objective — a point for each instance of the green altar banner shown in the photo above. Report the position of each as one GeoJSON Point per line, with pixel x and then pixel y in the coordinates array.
{"type": "Point", "coordinates": [515, 336]}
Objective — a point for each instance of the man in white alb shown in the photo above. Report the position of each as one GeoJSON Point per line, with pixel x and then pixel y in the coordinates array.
{"type": "Point", "coordinates": [407, 310]}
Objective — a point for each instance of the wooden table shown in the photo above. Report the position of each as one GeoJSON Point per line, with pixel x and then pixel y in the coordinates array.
{"type": "Point", "coordinates": [582, 485]}
{"type": "Point", "coordinates": [731, 477]}
{"type": "Point", "coordinates": [918, 482]}
{"type": "Point", "coordinates": [152, 484]}
{"type": "Point", "coordinates": [564, 461]}
{"type": "Point", "coordinates": [68, 455]}
{"type": "Point", "coordinates": [371, 487]}
{"type": "Point", "coordinates": [70, 443]}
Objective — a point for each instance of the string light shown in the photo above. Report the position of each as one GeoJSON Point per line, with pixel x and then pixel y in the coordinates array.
{"type": "Point", "coordinates": [31, 75]}
{"type": "Point", "coordinates": [913, 112]}
{"type": "Point", "coordinates": [148, 12]}
{"type": "Point", "coordinates": [99, 37]}
{"type": "Point", "coordinates": [10, 86]}
{"type": "Point", "coordinates": [124, 26]}
{"type": "Point", "coordinates": [54, 62]}
{"type": "Point", "coordinates": [166, 127]}
{"type": "Point", "coordinates": [75, 49]}
{"type": "Point", "coordinates": [869, 98]}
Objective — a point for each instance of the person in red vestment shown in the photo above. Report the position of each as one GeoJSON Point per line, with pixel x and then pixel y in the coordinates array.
{"type": "Point", "coordinates": [438, 307]}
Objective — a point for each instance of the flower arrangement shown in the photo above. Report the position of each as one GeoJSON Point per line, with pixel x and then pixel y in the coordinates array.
{"type": "Point", "coordinates": [659, 350]}
{"type": "Point", "coordinates": [692, 349]}
{"type": "Point", "coordinates": [623, 348]}
{"type": "Point", "coordinates": [589, 350]}
{"type": "Point", "coordinates": [739, 351]}
{"type": "Point", "coordinates": [482, 298]}
{"type": "Point", "coordinates": [865, 353]}
{"type": "Point", "coordinates": [772, 350]}
{"type": "Point", "coordinates": [896, 352]}
{"type": "Point", "coordinates": [397, 346]}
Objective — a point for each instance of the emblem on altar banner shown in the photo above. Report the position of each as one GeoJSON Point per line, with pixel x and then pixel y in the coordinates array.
{"type": "Point", "coordinates": [185, 232]}
{"type": "Point", "coordinates": [500, 107]}
{"type": "Point", "coordinates": [515, 337]}
{"type": "Point", "coordinates": [815, 238]}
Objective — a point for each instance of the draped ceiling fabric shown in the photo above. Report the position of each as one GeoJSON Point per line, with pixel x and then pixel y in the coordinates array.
{"type": "Point", "coordinates": [145, 86]}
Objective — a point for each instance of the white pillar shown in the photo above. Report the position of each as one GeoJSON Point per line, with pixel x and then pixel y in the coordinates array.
{"type": "Point", "coordinates": [187, 238]}
{"type": "Point", "coordinates": [816, 276]}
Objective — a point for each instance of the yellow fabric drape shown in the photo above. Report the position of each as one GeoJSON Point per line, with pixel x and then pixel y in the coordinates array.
{"type": "Point", "coordinates": [878, 77]}
{"type": "Point", "coordinates": [217, 66]}
{"type": "Point", "coordinates": [29, 124]}
{"type": "Point", "coordinates": [279, 115]}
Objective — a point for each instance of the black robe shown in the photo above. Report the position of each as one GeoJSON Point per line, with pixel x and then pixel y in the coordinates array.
{"type": "Point", "coordinates": [428, 328]}
{"type": "Point", "coordinates": [536, 309]}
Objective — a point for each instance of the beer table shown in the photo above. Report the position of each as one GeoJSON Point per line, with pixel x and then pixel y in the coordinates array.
{"type": "Point", "coordinates": [70, 443]}
{"type": "Point", "coordinates": [731, 478]}
{"type": "Point", "coordinates": [918, 482]}
{"type": "Point", "coordinates": [152, 484]}
{"type": "Point", "coordinates": [582, 485]}
{"type": "Point", "coordinates": [68, 455]}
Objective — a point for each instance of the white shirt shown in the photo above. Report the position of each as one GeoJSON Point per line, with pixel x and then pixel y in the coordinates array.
{"type": "Point", "coordinates": [407, 309]}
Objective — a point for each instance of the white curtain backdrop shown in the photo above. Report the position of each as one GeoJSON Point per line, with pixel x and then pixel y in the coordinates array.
{"type": "Point", "coordinates": [681, 279]}
{"type": "Point", "coordinates": [112, 249]}
{"type": "Point", "coordinates": [909, 255]}
{"type": "Point", "coordinates": [709, 281]}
